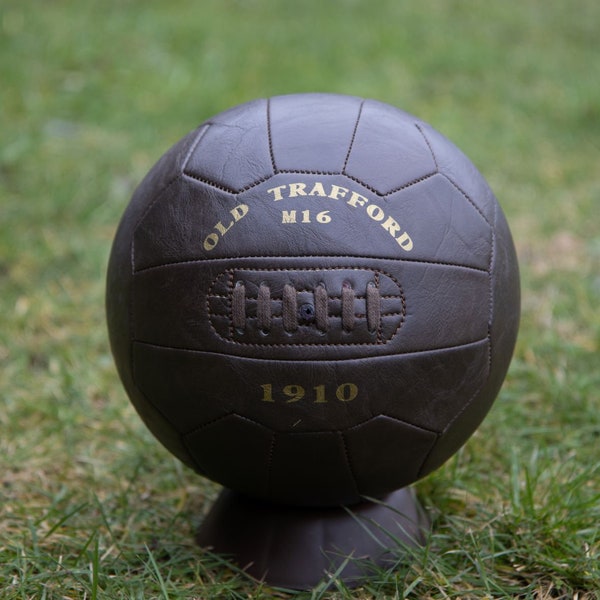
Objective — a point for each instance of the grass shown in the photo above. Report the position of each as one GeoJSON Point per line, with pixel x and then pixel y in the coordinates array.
{"type": "Point", "coordinates": [92, 93]}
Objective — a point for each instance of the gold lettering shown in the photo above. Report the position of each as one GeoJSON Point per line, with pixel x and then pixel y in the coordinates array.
{"type": "Point", "coordinates": [405, 242]}
{"type": "Point", "coordinates": [239, 212]}
{"type": "Point", "coordinates": [268, 392]}
{"type": "Point", "coordinates": [276, 191]}
{"type": "Point", "coordinates": [338, 192]}
{"type": "Point", "coordinates": [375, 212]}
{"type": "Point", "coordinates": [297, 189]}
{"type": "Point", "coordinates": [293, 393]}
{"type": "Point", "coordinates": [317, 190]}
{"type": "Point", "coordinates": [222, 229]}
{"type": "Point", "coordinates": [391, 226]}
{"type": "Point", "coordinates": [357, 200]}
{"type": "Point", "coordinates": [346, 392]}
{"type": "Point", "coordinates": [210, 241]}
{"type": "Point", "coordinates": [288, 216]}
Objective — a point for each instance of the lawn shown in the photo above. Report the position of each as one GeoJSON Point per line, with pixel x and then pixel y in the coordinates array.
{"type": "Point", "coordinates": [92, 93]}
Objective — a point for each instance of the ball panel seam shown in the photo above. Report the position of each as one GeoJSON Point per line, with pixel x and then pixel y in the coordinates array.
{"type": "Point", "coordinates": [312, 256]}
{"type": "Point", "coordinates": [360, 109]}
{"type": "Point", "coordinates": [327, 359]}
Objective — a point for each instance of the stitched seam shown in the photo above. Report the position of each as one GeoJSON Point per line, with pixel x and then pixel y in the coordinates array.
{"type": "Point", "coordinates": [276, 171]}
{"type": "Point", "coordinates": [230, 286]}
{"type": "Point", "coordinates": [342, 436]}
{"type": "Point", "coordinates": [233, 191]}
{"type": "Point", "coordinates": [313, 269]}
{"type": "Point", "coordinates": [159, 193]}
{"type": "Point", "coordinates": [156, 199]}
{"type": "Point", "coordinates": [157, 408]}
{"type": "Point", "coordinates": [411, 183]}
{"type": "Point", "coordinates": [491, 266]}
{"type": "Point", "coordinates": [395, 418]}
{"type": "Point", "coordinates": [360, 108]}
{"type": "Point", "coordinates": [270, 136]}
{"type": "Point", "coordinates": [220, 418]}
{"type": "Point", "coordinates": [337, 360]}
{"type": "Point", "coordinates": [343, 432]}
{"type": "Point", "coordinates": [379, 327]}
{"type": "Point", "coordinates": [310, 256]}
{"type": "Point", "coordinates": [360, 182]}
{"type": "Point", "coordinates": [194, 145]}
{"type": "Point", "coordinates": [304, 290]}
{"type": "Point", "coordinates": [435, 162]}
{"type": "Point", "coordinates": [130, 310]}
{"type": "Point", "coordinates": [448, 177]}
{"type": "Point", "coordinates": [279, 315]}
{"type": "Point", "coordinates": [230, 272]}
{"type": "Point", "coordinates": [489, 334]}
{"type": "Point", "coordinates": [428, 454]}
{"type": "Point", "coordinates": [270, 456]}
{"type": "Point", "coordinates": [470, 401]}
{"type": "Point", "coordinates": [224, 188]}
{"type": "Point", "coordinates": [465, 195]}
{"type": "Point", "coordinates": [309, 172]}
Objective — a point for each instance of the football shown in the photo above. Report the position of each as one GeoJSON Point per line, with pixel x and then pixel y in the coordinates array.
{"type": "Point", "coordinates": [313, 299]}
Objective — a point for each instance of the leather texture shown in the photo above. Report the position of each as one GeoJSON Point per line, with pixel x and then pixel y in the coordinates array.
{"type": "Point", "coordinates": [313, 298]}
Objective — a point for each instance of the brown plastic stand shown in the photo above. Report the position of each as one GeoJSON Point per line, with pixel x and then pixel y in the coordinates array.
{"type": "Point", "coordinates": [297, 548]}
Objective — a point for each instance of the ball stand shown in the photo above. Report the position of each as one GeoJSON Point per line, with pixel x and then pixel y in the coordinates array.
{"type": "Point", "coordinates": [297, 547]}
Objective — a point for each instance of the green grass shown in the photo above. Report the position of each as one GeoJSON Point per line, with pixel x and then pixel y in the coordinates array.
{"type": "Point", "coordinates": [92, 93]}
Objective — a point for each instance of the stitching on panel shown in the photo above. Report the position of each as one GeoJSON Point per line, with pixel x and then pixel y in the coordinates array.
{"type": "Point", "coordinates": [194, 145]}
{"type": "Point", "coordinates": [270, 136]}
{"type": "Point", "coordinates": [342, 437]}
{"type": "Point", "coordinates": [279, 359]}
{"type": "Point", "coordinates": [394, 418]}
{"type": "Point", "coordinates": [491, 279]}
{"type": "Point", "coordinates": [313, 270]}
{"type": "Point", "coordinates": [230, 272]}
{"type": "Point", "coordinates": [230, 286]}
{"type": "Point", "coordinates": [435, 162]}
{"type": "Point", "coordinates": [131, 312]}
{"type": "Point", "coordinates": [270, 456]}
{"type": "Point", "coordinates": [221, 418]}
{"type": "Point", "coordinates": [256, 183]}
{"type": "Point", "coordinates": [303, 290]}
{"type": "Point", "coordinates": [353, 137]}
{"type": "Point", "coordinates": [224, 188]}
{"type": "Point", "coordinates": [277, 315]}
{"type": "Point", "coordinates": [160, 192]}
{"type": "Point", "coordinates": [156, 198]}
{"type": "Point", "coordinates": [411, 183]}
{"type": "Point", "coordinates": [310, 256]}
{"type": "Point", "coordinates": [428, 454]}
{"type": "Point", "coordinates": [380, 325]}
{"type": "Point", "coordinates": [340, 431]}
{"type": "Point", "coordinates": [466, 196]}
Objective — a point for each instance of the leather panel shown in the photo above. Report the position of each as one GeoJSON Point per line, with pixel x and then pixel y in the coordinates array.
{"type": "Point", "coordinates": [426, 389]}
{"type": "Point", "coordinates": [332, 125]}
{"type": "Point", "coordinates": [390, 462]}
{"type": "Point", "coordinates": [233, 151]}
{"type": "Point", "coordinates": [389, 152]}
{"type": "Point", "coordinates": [200, 321]}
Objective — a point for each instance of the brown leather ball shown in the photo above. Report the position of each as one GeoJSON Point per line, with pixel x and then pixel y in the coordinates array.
{"type": "Point", "coordinates": [313, 298]}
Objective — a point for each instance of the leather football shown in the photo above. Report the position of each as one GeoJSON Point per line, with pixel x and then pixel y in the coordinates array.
{"type": "Point", "coordinates": [312, 299]}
